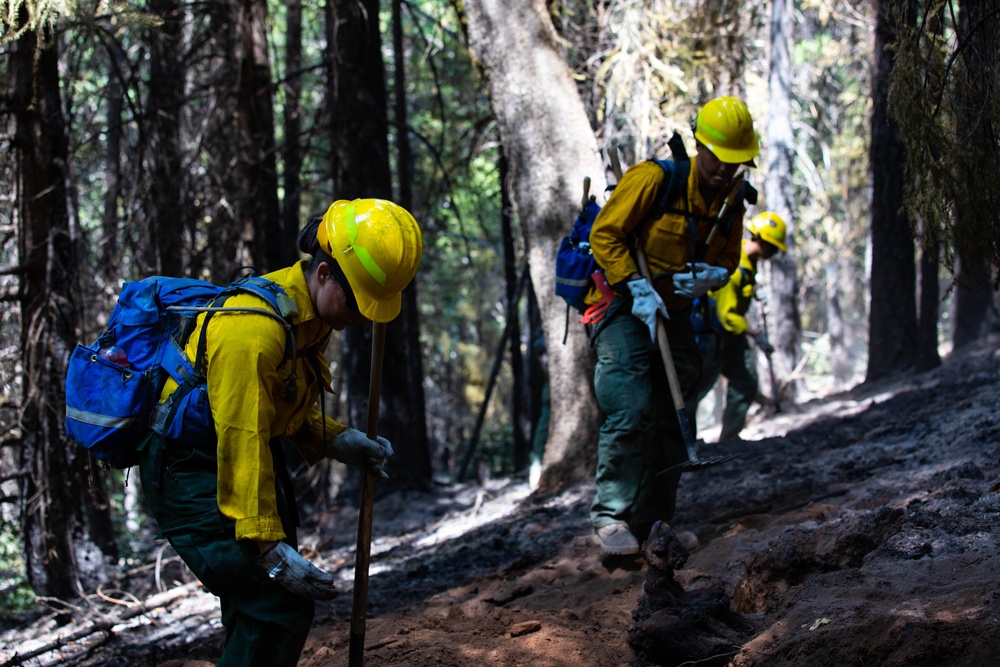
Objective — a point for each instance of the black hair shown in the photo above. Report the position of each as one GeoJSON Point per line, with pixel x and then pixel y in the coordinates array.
{"type": "Point", "coordinates": [308, 243]}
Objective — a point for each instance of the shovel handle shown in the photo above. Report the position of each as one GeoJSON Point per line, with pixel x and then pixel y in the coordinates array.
{"type": "Point", "coordinates": [668, 361]}
{"type": "Point", "coordinates": [363, 551]}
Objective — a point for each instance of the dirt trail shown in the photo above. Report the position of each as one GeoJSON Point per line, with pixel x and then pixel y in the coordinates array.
{"type": "Point", "coordinates": [860, 530]}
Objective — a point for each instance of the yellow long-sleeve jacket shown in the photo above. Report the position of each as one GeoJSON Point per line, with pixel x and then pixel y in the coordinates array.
{"type": "Point", "coordinates": [246, 390]}
{"type": "Point", "coordinates": [666, 241]}
{"type": "Point", "coordinates": [732, 300]}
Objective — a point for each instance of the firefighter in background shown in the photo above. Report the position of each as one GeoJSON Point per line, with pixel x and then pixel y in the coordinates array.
{"type": "Point", "coordinates": [640, 434]}
{"type": "Point", "coordinates": [726, 350]}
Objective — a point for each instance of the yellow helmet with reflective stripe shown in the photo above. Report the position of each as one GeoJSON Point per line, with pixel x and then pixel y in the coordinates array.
{"type": "Point", "coordinates": [378, 246]}
{"type": "Point", "coordinates": [770, 228]}
{"type": "Point", "coordinates": [725, 127]}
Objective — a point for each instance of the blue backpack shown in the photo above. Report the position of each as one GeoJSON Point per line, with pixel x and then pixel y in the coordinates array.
{"type": "Point", "coordinates": [112, 405]}
{"type": "Point", "coordinates": [575, 262]}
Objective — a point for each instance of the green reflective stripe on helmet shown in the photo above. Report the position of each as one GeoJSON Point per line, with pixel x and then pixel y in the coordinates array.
{"type": "Point", "coordinates": [362, 254]}
{"type": "Point", "coordinates": [714, 133]}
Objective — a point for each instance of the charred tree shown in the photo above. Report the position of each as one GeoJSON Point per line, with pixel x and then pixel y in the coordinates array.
{"type": "Point", "coordinates": [519, 415]}
{"type": "Point", "coordinates": [111, 246]}
{"type": "Point", "coordinates": [292, 150]}
{"type": "Point", "coordinates": [228, 238]}
{"type": "Point", "coordinates": [893, 314]}
{"type": "Point", "coordinates": [258, 203]}
{"type": "Point", "coordinates": [360, 129]}
{"type": "Point", "coordinates": [65, 537]}
{"type": "Point", "coordinates": [979, 128]}
{"type": "Point", "coordinates": [167, 209]}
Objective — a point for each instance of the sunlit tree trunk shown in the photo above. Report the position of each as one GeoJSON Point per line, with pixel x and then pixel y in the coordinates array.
{"type": "Point", "coordinates": [550, 148]}
{"type": "Point", "coordinates": [892, 341]}
{"type": "Point", "coordinates": [780, 197]}
{"type": "Point", "coordinates": [61, 557]}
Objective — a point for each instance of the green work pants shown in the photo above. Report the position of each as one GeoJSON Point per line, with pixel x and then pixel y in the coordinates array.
{"type": "Point", "coordinates": [266, 624]}
{"type": "Point", "coordinates": [732, 357]}
{"type": "Point", "coordinates": [640, 434]}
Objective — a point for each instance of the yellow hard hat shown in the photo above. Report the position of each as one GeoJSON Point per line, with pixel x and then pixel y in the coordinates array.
{"type": "Point", "coordinates": [378, 246]}
{"type": "Point", "coordinates": [770, 228]}
{"type": "Point", "coordinates": [725, 127]}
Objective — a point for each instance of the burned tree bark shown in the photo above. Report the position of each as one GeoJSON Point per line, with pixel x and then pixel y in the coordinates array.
{"type": "Point", "coordinates": [63, 533]}
{"type": "Point", "coordinates": [360, 129]}
{"type": "Point", "coordinates": [893, 314]}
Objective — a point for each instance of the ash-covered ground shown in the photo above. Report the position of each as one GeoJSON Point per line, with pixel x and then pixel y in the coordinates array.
{"type": "Point", "coordinates": [859, 529]}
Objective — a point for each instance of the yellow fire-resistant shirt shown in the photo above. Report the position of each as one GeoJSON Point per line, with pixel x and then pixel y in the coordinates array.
{"type": "Point", "coordinates": [666, 241]}
{"type": "Point", "coordinates": [246, 389]}
{"type": "Point", "coordinates": [732, 300]}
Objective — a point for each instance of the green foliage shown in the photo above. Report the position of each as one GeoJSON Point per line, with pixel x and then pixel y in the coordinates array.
{"type": "Point", "coordinates": [457, 200]}
{"type": "Point", "coordinates": [16, 594]}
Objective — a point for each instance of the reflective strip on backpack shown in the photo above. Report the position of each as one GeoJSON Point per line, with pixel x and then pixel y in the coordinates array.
{"type": "Point", "coordinates": [99, 420]}
{"type": "Point", "coordinates": [582, 282]}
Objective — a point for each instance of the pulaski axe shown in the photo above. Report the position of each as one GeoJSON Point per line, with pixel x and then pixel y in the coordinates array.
{"type": "Point", "coordinates": [363, 551]}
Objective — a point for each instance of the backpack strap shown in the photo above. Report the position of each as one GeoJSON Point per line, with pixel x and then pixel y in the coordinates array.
{"type": "Point", "coordinates": [164, 413]}
{"type": "Point", "coordinates": [676, 174]}
{"type": "Point", "coordinates": [268, 291]}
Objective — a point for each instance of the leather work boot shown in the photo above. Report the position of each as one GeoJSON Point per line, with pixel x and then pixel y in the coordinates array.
{"type": "Point", "coordinates": [616, 539]}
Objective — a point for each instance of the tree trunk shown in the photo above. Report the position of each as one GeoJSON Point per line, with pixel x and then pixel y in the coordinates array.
{"type": "Point", "coordinates": [892, 339]}
{"type": "Point", "coordinates": [930, 301]}
{"type": "Point", "coordinates": [519, 417]}
{"type": "Point", "coordinates": [361, 169]}
{"type": "Point", "coordinates": [167, 203]}
{"type": "Point", "coordinates": [58, 525]}
{"type": "Point", "coordinates": [782, 285]}
{"type": "Point", "coordinates": [292, 152]}
{"type": "Point", "coordinates": [975, 311]}
{"type": "Point", "coordinates": [408, 397]}
{"type": "Point", "coordinates": [110, 259]}
{"type": "Point", "coordinates": [551, 148]}
{"type": "Point", "coordinates": [260, 209]}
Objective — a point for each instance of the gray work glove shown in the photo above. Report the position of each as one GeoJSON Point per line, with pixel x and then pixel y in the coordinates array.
{"type": "Point", "coordinates": [355, 449]}
{"type": "Point", "coordinates": [701, 279]}
{"type": "Point", "coordinates": [763, 343]}
{"type": "Point", "coordinates": [646, 303]}
{"type": "Point", "coordinates": [285, 566]}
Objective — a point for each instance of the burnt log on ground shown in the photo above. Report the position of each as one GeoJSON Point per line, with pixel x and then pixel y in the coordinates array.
{"type": "Point", "coordinates": [673, 626]}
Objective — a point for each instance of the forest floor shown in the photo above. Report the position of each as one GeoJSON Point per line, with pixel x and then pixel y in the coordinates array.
{"type": "Point", "coordinates": [860, 529]}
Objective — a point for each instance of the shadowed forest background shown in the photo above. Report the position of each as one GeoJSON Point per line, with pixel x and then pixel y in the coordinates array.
{"type": "Point", "coordinates": [192, 139]}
